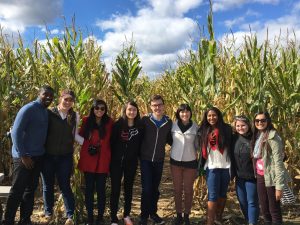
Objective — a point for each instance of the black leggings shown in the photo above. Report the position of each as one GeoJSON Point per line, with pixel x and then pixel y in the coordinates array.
{"type": "Point", "coordinates": [92, 180]}
{"type": "Point", "coordinates": [117, 170]}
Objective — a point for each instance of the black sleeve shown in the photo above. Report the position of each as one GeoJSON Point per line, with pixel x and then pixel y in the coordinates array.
{"type": "Point", "coordinates": [170, 138]}
{"type": "Point", "coordinates": [115, 134]}
{"type": "Point", "coordinates": [232, 159]}
{"type": "Point", "coordinates": [169, 135]}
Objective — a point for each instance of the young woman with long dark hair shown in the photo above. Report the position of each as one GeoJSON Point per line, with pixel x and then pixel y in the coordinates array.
{"type": "Point", "coordinates": [125, 146]}
{"type": "Point", "coordinates": [268, 154]}
{"type": "Point", "coordinates": [215, 142]}
{"type": "Point", "coordinates": [95, 157]}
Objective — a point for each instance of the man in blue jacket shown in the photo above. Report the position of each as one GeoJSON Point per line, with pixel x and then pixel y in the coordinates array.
{"type": "Point", "coordinates": [28, 136]}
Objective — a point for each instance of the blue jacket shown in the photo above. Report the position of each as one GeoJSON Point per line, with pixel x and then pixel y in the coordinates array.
{"type": "Point", "coordinates": [30, 130]}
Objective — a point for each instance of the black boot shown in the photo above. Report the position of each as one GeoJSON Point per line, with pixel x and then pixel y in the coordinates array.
{"type": "Point", "coordinates": [186, 219]}
{"type": "Point", "coordinates": [179, 219]}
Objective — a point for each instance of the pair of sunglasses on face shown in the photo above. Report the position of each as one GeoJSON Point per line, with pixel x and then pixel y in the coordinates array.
{"type": "Point", "coordinates": [260, 120]}
{"type": "Point", "coordinates": [102, 108]}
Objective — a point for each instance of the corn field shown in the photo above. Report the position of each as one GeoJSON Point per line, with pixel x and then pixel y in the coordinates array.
{"type": "Point", "coordinates": [254, 77]}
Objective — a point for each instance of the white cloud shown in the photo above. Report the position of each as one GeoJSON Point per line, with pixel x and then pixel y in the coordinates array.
{"type": "Point", "coordinates": [222, 5]}
{"type": "Point", "coordinates": [279, 30]}
{"type": "Point", "coordinates": [160, 32]}
{"type": "Point", "coordinates": [16, 15]}
{"type": "Point", "coordinates": [252, 13]}
{"type": "Point", "coordinates": [234, 22]}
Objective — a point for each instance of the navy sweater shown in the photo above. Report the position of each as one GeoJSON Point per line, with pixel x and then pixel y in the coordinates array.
{"type": "Point", "coordinates": [29, 130]}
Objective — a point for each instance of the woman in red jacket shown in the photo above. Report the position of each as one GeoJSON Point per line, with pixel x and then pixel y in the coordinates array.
{"type": "Point", "coordinates": [95, 157]}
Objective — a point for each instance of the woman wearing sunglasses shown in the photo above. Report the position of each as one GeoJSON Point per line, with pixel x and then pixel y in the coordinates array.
{"type": "Point", "coordinates": [95, 157]}
{"type": "Point", "coordinates": [125, 146]}
{"type": "Point", "coordinates": [215, 142]}
{"type": "Point", "coordinates": [268, 153]}
{"type": "Point", "coordinates": [243, 170]}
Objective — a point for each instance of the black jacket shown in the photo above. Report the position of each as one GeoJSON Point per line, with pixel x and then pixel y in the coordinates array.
{"type": "Point", "coordinates": [155, 139]}
{"type": "Point", "coordinates": [242, 160]}
{"type": "Point", "coordinates": [125, 142]}
{"type": "Point", "coordinates": [61, 133]}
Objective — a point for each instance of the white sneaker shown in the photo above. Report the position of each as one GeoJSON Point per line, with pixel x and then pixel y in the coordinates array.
{"type": "Point", "coordinates": [127, 221]}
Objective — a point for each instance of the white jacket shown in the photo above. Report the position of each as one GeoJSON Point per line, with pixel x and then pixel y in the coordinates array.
{"type": "Point", "coordinates": [185, 145]}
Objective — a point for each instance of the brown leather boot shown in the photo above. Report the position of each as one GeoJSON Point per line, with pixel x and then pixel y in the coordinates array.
{"type": "Point", "coordinates": [221, 202]}
{"type": "Point", "coordinates": [211, 212]}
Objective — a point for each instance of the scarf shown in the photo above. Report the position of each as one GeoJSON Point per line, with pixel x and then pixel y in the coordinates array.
{"type": "Point", "coordinates": [257, 147]}
{"type": "Point", "coordinates": [212, 143]}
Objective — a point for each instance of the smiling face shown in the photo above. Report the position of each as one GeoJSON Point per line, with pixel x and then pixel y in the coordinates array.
{"type": "Point", "coordinates": [212, 118]}
{"type": "Point", "coordinates": [241, 127]}
{"type": "Point", "coordinates": [99, 110]}
{"type": "Point", "coordinates": [131, 112]}
{"type": "Point", "coordinates": [158, 108]}
{"type": "Point", "coordinates": [185, 116]}
{"type": "Point", "coordinates": [261, 122]}
{"type": "Point", "coordinates": [46, 97]}
{"type": "Point", "coordinates": [66, 102]}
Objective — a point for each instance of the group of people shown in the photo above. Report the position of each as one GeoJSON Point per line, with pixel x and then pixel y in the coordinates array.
{"type": "Point", "coordinates": [43, 143]}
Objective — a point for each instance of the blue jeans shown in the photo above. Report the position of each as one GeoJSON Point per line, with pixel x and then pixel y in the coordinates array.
{"type": "Point", "coordinates": [246, 191]}
{"type": "Point", "coordinates": [60, 167]}
{"type": "Point", "coordinates": [151, 173]}
{"type": "Point", "coordinates": [217, 183]}
{"type": "Point", "coordinates": [92, 179]}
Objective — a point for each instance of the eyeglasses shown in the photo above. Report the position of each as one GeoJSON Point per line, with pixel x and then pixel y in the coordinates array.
{"type": "Point", "coordinates": [260, 120]}
{"type": "Point", "coordinates": [102, 108]}
{"type": "Point", "coordinates": [156, 105]}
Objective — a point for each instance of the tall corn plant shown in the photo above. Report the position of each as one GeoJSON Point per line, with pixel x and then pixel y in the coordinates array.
{"type": "Point", "coordinates": [196, 80]}
{"type": "Point", "coordinates": [125, 72]}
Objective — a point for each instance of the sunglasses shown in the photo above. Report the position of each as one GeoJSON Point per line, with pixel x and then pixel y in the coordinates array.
{"type": "Point", "coordinates": [102, 108]}
{"type": "Point", "coordinates": [260, 120]}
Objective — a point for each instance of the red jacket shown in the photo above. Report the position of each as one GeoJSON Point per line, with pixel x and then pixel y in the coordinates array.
{"type": "Point", "coordinates": [98, 163]}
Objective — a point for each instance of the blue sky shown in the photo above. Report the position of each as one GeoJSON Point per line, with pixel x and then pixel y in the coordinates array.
{"type": "Point", "coordinates": [162, 29]}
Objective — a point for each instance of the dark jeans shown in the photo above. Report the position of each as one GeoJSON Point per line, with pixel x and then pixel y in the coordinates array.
{"type": "Point", "coordinates": [270, 208]}
{"type": "Point", "coordinates": [246, 191]}
{"type": "Point", "coordinates": [151, 173]}
{"type": "Point", "coordinates": [92, 179]}
{"type": "Point", "coordinates": [21, 194]}
{"type": "Point", "coordinates": [117, 170]}
{"type": "Point", "coordinates": [60, 167]}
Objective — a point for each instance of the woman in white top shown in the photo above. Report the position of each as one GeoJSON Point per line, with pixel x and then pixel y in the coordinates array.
{"type": "Point", "coordinates": [184, 161]}
{"type": "Point", "coordinates": [215, 143]}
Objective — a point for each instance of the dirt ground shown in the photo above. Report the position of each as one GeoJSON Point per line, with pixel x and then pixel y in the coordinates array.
{"type": "Point", "coordinates": [232, 214]}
